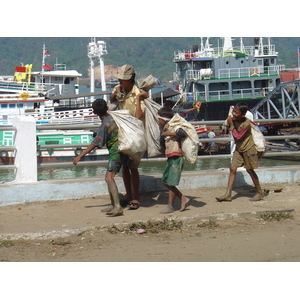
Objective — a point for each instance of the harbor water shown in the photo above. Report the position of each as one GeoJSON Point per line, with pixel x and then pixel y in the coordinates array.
{"type": "Point", "coordinates": [145, 168]}
{"type": "Point", "coordinates": [150, 168]}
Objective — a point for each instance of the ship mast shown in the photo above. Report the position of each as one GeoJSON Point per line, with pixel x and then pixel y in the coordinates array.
{"type": "Point", "coordinates": [97, 50]}
{"type": "Point", "coordinates": [43, 62]}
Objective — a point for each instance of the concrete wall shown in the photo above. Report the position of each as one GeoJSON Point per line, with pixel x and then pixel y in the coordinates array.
{"type": "Point", "coordinates": [12, 193]}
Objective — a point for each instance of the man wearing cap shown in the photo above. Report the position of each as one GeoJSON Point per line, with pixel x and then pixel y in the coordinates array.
{"type": "Point", "coordinates": [128, 96]}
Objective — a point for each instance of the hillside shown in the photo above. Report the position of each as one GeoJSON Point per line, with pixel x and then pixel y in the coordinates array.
{"type": "Point", "coordinates": [148, 55]}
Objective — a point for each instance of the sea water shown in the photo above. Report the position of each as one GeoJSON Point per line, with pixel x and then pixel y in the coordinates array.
{"type": "Point", "coordinates": [145, 168]}
{"type": "Point", "coordinates": [148, 168]}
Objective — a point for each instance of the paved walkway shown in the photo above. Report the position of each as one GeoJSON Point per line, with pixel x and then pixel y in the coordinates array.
{"type": "Point", "coordinates": [63, 217]}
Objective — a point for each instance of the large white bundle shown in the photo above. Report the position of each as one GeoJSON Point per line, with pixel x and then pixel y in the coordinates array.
{"type": "Point", "coordinates": [152, 128]}
{"type": "Point", "coordinates": [131, 137]}
{"type": "Point", "coordinates": [258, 138]}
{"type": "Point", "coordinates": [190, 144]}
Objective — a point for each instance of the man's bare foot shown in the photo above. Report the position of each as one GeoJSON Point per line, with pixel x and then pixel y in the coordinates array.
{"type": "Point", "coordinates": [168, 209]}
{"type": "Point", "coordinates": [258, 197]}
{"type": "Point", "coordinates": [226, 197]}
{"type": "Point", "coordinates": [116, 211]}
{"type": "Point", "coordinates": [107, 209]}
{"type": "Point", "coordinates": [184, 202]}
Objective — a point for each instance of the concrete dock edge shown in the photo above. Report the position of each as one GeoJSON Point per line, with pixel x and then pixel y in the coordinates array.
{"type": "Point", "coordinates": [12, 193]}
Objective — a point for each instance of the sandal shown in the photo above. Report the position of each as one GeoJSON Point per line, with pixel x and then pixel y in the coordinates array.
{"type": "Point", "coordinates": [134, 205]}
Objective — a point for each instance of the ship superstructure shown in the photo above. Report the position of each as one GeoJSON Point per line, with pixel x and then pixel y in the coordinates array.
{"type": "Point", "coordinates": [220, 76]}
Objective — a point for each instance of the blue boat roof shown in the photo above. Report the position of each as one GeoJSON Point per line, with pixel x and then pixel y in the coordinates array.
{"type": "Point", "coordinates": [201, 58]}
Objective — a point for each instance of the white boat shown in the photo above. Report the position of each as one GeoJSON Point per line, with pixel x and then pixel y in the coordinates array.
{"type": "Point", "coordinates": [45, 95]}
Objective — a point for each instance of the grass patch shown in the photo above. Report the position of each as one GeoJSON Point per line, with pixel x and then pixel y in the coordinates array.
{"type": "Point", "coordinates": [208, 224]}
{"type": "Point", "coordinates": [276, 216]}
{"type": "Point", "coordinates": [60, 243]}
{"type": "Point", "coordinates": [149, 226]}
{"type": "Point", "coordinates": [6, 244]}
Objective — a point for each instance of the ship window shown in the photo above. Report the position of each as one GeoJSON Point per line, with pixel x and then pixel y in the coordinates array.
{"type": "Point", "coordinates": [227, 62]}
{"type": "Point", "coordinates": [242, 61]}
{"type": "Point", "coordinates": [3, 105]}
{"type": "Point", "coordinates": [85, 139]}
{"type": "Point", "coordinates": [12, 105]}
{"type": "Point", "coordinates": [67, 140]}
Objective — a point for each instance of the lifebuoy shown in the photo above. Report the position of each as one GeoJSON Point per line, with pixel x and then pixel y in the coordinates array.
{"type": "Point", "coordinates": [254, 71]}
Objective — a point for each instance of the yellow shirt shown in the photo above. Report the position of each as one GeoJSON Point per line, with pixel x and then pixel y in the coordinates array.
{"type": "Point", "coordinates": [129, 101]}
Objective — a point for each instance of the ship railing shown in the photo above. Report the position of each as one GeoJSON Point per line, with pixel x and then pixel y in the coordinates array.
{"type": "Point", "coordinates": [247, 93]}
{"type": "Point", "coordinates": [231, 73]}
{"type": "Point", "coordinates": [250, 72]}
{"type": "Point", "coordinates": [71, 116]}
{"type": "Point", "coordinates": [51, 89]}
{"type": "Point", "coordinates": [267, 50]}
{"type": "Point", "coordinates": [25, 86]}
{"type": "Point", "coordinates": [26, 162]}
{"type": "Point", "coordinates": [187, 55]}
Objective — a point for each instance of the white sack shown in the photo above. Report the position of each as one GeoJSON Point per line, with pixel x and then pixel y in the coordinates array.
{"type": "Point", "coordinates": [189, 144]}
{"type": "Point", "coordinates": [131, 137]}
{"type": "Point", "coordinates": [152, 128]}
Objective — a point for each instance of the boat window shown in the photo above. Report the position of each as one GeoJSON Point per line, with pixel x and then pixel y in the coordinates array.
{"type": "Point", "coordinates": [12, 105]}
{"type": "Point", "coordinates": [3, 105]}
{"type": "Point", "coordinates": [67, 140]}
{"type": "Point", "coordinates": [67, 80]}
{"type": "Point", "coordinates": [85, 139]}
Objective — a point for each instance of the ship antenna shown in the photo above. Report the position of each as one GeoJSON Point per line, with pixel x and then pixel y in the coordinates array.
{"type": "Point", "coordinates": [43, 63]}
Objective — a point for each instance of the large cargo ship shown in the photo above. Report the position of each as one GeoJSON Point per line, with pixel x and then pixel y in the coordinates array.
{"type": "Point", "coordinates": [215, 78]}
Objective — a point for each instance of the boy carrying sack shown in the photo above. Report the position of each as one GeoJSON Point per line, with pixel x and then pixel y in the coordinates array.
{"type": "Point", "coordinates": [245, 153]}
{"type": "Point", "coordinates": [172, 142]}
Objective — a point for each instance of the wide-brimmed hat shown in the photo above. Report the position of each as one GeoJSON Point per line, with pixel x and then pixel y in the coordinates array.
{"type": "Point", "coordinates": [125, 72]}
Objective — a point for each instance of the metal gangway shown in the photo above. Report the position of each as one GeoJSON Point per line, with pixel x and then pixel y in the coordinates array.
{"type": "Point", "coordinates": [283, 102]}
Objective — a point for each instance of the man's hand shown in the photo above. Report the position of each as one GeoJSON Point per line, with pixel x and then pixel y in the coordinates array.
{"type": "Point", "coordinates": [229, 121]}
{"type": "Point", "coordinates": [76, 160]}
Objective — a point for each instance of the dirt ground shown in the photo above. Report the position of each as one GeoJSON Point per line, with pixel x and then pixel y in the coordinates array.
{"type": "Point", "coordinates": [246, 239]}
{"type": "Point", "coordinates": [260, 237]}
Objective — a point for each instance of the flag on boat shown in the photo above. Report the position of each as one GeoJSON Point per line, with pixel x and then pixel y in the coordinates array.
{"type": "Point", "coordinates": [298, 51]}
{"type": "Point", "coordinates": [20, 69]}
{"type": "Point", "coordinates": [47, 52]}
{"type": "Point", "coordinates": [47, 67]}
